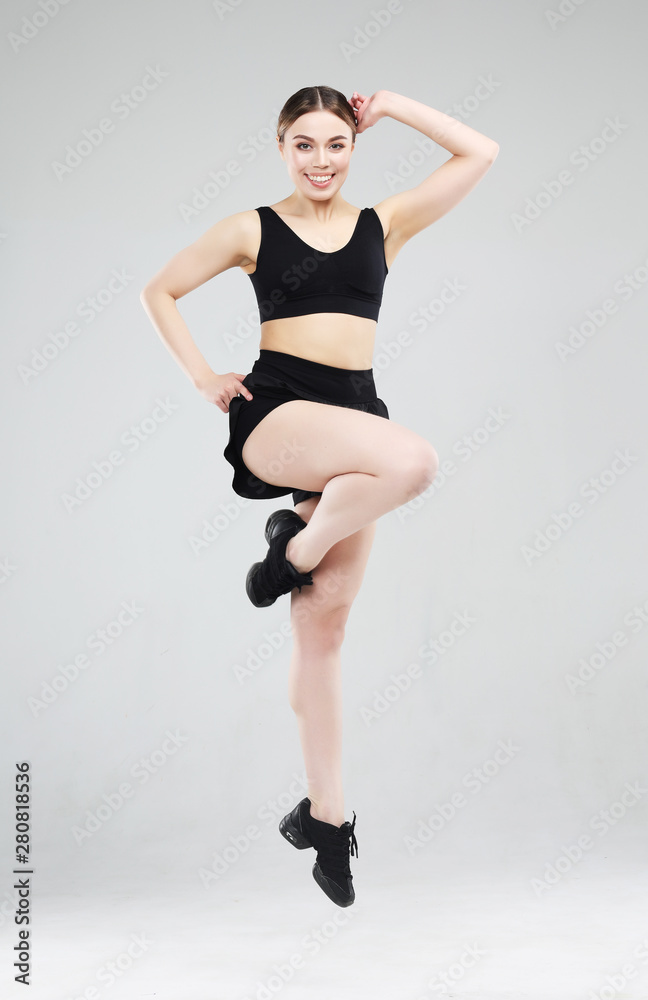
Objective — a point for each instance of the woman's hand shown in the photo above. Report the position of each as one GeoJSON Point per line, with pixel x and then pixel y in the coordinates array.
{"type": "Point", "coordinates": [221, 389]}
{"type": "Point", "coordinates": [368, 110]}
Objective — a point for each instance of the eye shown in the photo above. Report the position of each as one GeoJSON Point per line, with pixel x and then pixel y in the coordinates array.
{"type": "Point", "coordinates": [339, 145]}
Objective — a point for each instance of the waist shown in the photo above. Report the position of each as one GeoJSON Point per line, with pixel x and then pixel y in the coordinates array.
{"type": "Point", "coordinates": [333, 339]}
{"type": "Point", "coordinates": [328, 381]}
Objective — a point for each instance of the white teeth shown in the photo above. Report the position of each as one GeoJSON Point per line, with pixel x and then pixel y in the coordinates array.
{"type": "Point", "coordinates": [319, 178]}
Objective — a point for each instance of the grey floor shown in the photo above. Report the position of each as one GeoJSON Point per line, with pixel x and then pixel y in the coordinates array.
{"type": "Point", "coordinates": [436, 924]}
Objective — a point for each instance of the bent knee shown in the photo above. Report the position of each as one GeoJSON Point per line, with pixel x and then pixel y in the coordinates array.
{"type": "Point", "coordinates": [420, 464]}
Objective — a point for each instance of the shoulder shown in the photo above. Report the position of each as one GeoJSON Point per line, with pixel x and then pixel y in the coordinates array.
{"type": "Point", "coordinates": [233, 241]}
{"type": "Point", "coordinates": [244, 229]}
{"type": "Point", "coordinates": [245, 222]}
{"type": "Point", "coordinates": [235, 228]}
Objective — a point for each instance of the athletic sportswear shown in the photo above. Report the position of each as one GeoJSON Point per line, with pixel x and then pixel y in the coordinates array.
{"type": "Point", "coordinates": [294, 279]}
{"type": "Point", "coordinates": [277, 378]}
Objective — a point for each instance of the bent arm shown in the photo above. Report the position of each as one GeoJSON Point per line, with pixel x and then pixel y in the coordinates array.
{"type": "Point", "coordinates": [473, 153]}
{"type": "Point", "coordinates": [221, 247]}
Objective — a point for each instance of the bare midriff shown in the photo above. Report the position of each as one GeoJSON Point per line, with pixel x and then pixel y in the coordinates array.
{"type": "Point", "coordinates": [337, 339]}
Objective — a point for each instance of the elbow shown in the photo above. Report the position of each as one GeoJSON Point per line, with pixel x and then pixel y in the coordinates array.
{"type": "Point", "coordinates": [487, 152]}
{"type": "Point", "coordinates": [150, 292]}
{"type": "Point", "coordinates": [147, 293]}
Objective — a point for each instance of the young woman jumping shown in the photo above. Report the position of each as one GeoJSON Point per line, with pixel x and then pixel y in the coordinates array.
{"type": "Point", "coordinates": [306, 419]}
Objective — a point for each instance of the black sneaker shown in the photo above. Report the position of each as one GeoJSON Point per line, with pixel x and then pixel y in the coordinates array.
{"type": "Point", "coordinates": [276, 575]}
{"type": "Point", "coordinates": [331, 870]}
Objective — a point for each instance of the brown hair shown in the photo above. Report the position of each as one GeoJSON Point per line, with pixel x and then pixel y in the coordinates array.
{"type": "Point", "coordinates": [315, 99]}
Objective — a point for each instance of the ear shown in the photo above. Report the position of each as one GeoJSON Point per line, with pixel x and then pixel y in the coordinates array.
{"type": "Point", "coordinates": [281, 152]}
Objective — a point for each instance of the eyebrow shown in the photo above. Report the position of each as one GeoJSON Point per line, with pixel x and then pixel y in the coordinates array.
{"type": "Point", "coordinates": [310, 139]}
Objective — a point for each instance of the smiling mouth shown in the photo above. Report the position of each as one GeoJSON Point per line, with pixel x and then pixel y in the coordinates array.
{"type": "Point", "coordinates": [320, 179]}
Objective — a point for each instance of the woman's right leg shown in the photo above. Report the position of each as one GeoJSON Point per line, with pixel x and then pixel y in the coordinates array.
{"type": "Point", "coordinates": [363, 464]}
{"type": "Point", "coordinates": [318, 618]}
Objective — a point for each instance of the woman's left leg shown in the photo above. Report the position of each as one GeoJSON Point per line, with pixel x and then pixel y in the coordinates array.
{"type": "Point", "coordinates": [318, 618]}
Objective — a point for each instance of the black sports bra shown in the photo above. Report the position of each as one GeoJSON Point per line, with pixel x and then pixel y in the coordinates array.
{"type": "Point", "coordinates": [294, 279]}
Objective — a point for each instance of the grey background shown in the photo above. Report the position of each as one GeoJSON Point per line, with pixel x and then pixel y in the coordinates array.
{"type": "Point", "coordinates": [461, 550]}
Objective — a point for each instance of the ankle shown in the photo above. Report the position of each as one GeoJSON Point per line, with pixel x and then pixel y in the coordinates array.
{"type": "Point", "coordinates": [327, 813]}
{"type": "Point", "coordinates": [294, 554]}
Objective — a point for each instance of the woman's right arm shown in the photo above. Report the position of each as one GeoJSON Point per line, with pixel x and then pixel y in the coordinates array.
{"type": "Point", "coordinates": [221, 247]}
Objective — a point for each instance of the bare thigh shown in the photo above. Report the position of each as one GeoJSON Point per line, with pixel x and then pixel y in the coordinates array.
{"type": "Point", "coordinates": [319, 612]}
{"type": "Point", "coordinates": [304, 444]}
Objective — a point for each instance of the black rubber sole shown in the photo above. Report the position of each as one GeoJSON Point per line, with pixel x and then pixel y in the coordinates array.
{"type": "Point", "coordinates": [323, 883]}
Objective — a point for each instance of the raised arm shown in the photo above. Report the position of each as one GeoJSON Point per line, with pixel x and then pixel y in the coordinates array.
{"type": "Point", "coordinates": [408, 212]}
{"type": "Point", "coordinates": [223, 246]}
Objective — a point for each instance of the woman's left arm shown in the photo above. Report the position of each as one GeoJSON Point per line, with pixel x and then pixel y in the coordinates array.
{"type": "Point", "coordinates": [473, 154]}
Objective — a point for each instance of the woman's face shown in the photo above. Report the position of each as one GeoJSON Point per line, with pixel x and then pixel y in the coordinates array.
{"type": "Point", "coordinates": [317, 143]}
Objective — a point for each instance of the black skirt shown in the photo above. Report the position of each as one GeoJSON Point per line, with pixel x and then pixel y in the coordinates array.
{"type": "Point", "coordinates": [276, 378]}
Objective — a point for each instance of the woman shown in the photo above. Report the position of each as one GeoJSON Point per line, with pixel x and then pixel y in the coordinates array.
{"type": "Point", "coordinates": [306, 420]}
